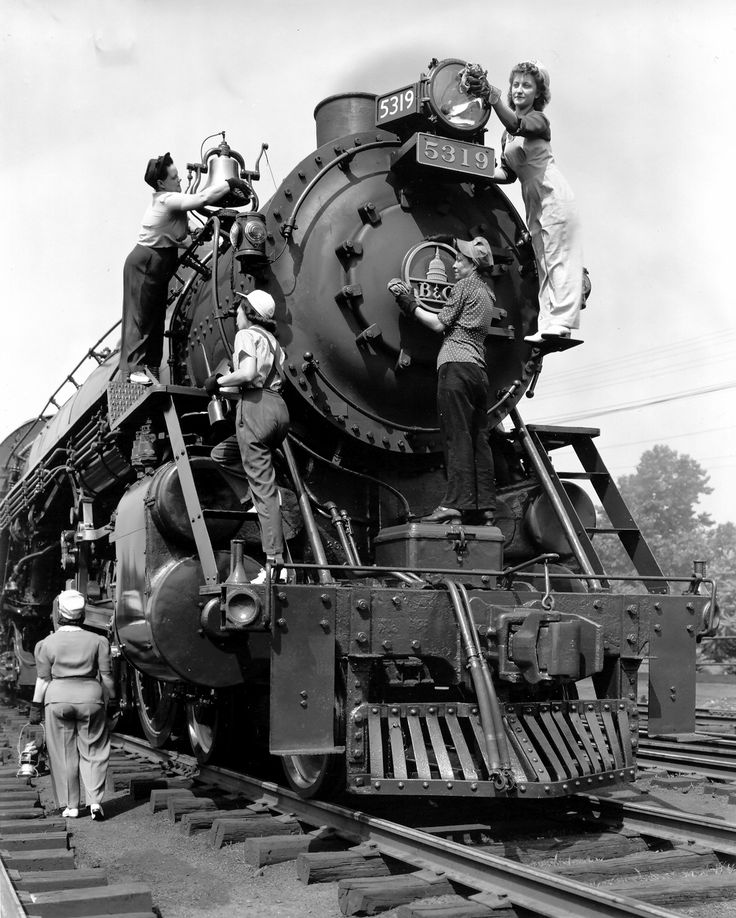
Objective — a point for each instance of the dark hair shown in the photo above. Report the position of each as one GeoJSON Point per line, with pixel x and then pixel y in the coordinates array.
{"type": "Point", "coordinates": [540, 77]}
{"type": "Point", "coordinates": [256, 318]}
{"type": "Point", "coordinates": [157, 170]}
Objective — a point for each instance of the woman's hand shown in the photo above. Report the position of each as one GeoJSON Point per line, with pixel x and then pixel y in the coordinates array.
{"type": "Point", "coordinates": [35, 715]}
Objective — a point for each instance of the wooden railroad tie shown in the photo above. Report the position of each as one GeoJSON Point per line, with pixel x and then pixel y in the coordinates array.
{"type": "Point", "coordinates": [680, 891]}
{"type": "Point", "coordinates": [275, 849]}
{"type": "Point", "coordinates": [48, 880]}
{"type": "Point", "coordinates": [328, 866]}
{"type": "Point", "coordinates": [227, 831]}
{"type": "Point", "coordinates": [368, 895]}
{"type": "Point", "coordinates": [140, 788]}
{"type": "Point", "coordinates": [120, 898]}
{"type": "Point", "coordinates": [201, 820]}
{"type": "Point", "coordinates": [683, 857]}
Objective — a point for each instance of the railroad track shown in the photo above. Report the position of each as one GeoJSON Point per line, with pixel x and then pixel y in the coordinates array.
{"type": "Point", "coordinates": [382, 864]}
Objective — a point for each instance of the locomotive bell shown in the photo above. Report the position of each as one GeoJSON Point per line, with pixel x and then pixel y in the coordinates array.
{"type": "Point", "coordinates": [220, 166]}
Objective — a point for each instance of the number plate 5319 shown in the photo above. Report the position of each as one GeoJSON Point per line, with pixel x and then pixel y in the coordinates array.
{"type": "Point", "coordinates": [455, 155]}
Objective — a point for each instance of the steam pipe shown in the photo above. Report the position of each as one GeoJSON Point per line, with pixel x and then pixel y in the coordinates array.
{"type": "Point", "coordinates": [498, 727]}
{"type": "Point", "coordinates": [484, 702]}
{"type": "Point", "coordinates": [315, 540]}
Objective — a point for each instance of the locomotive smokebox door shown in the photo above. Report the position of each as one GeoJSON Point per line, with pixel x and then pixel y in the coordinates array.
{"type": "Point", "coordinates": [427, 546]}
{"type": "Point", "coordinates": [303, 671]}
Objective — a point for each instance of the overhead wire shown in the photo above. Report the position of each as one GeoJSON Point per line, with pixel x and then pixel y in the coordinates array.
{"type": "Point", "coordinates": [644, 403]}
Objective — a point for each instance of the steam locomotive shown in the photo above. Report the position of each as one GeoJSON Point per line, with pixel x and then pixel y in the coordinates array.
{"type": "Point", "coordinates": [401, 657]}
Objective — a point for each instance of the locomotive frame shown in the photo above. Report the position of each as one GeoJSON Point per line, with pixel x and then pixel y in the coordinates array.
{"type": "Point", "coordinates": [401, 658]}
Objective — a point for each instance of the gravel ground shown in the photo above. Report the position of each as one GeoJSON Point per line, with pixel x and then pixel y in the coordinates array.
{"type": "Point", "coordinates": [189, 879]}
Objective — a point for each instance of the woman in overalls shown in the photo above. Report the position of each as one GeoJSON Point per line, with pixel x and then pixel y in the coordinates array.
{"type": "Point", "coordinates": [262, 419]}
{"type": "Point", "coordinates": [551, 211]}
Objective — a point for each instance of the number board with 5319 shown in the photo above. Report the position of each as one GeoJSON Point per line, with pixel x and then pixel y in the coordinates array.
{"type": "Point", "coordinates": [456, 155]}
{"type": "Point", "coordinates": [397, 104]}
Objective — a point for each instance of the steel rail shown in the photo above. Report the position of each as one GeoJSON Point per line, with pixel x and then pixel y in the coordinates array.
{"type": "Point", "coordinates": [545, 894]}
{"type": "Point", "coordinates": [667, 824]}
{"type": "Point", "coordinates": [723, 769]}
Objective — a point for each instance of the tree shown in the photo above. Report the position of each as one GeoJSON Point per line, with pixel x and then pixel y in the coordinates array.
{"type": "Point", "coordinates": [662, 495]}
{"type": "Point", "coordinates": [663, 491]}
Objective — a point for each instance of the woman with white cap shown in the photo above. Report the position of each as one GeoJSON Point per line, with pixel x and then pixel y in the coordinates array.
{"type": "Point", "coordinates": [74, 681]}
{"type": "Point", "coordinates": [262, 418]}
{"type": "Point", "coordinates": [462, 384]}
{"type": "Point", "coordinates": [551, 211]}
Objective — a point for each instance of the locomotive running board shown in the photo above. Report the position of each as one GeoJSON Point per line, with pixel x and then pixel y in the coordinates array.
{"type": "Point", "coordinates": [557, 748]}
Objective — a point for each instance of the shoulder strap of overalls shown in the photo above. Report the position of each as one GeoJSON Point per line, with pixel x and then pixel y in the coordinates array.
{"type": "Point", "coordinates": [275, 367]}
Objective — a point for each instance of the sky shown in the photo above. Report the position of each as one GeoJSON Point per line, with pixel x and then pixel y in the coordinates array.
{"type": "Point", "coordinates": [642, 128]}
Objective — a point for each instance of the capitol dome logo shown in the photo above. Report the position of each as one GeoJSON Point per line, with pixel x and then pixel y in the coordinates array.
{"type": "Point", "coordinates": [427, 268]}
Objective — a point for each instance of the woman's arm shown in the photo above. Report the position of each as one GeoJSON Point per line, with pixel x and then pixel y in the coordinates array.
{"type": "Point", "coordinates": [245, 373]}
{"type": "Point", "coordinates": [429, 319]}
{"type": "Point", "coordinates": [39, 692]}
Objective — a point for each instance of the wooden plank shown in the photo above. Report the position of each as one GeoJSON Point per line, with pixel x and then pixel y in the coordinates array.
{"type": "Point", "coordinates": [47, 880]}
{"type": "Point", "coordinates": [38, 860]}
{"type": "Point", "coordinates": [159, 799]}
{"type": "Point", "coordinates": [21, 812]}
{"type": "Point", "coordinates": [201, 820]}
{"type": "Point", "coordinates": [118, 898]}
{"type": "Point", "coordinates": [368, 895]}
{"type": "Point", "coordinates": [140, 788]}
{"type": "Point", "coordinates": [35, 841]}
{"type": "Point", "coordinates": [177, 806]}
{"type": "Point", "coordinates": [328, 866]}
{"type": "Point", "coordinates": [28, 826]}
{"type": "Point", "coordinates": [275, 849]}
{"type": "Point", "coordinates": [682, 858]}
{"type": "Point", "coordinates": [230, 831]}
{"type": "Point", "coordinates": [606, 845]}
{"type": "Point", "coordinates": [698, 890]}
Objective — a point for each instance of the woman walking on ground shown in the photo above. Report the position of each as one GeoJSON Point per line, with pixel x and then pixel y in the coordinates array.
{"type": "Point", "coordinates": [551, 212]}
{"type": "Point", "coordinates": [74, 681]}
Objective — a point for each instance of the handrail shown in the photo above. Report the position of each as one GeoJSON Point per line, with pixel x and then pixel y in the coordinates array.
{"type": "Point", "coordinates": [91, 352]}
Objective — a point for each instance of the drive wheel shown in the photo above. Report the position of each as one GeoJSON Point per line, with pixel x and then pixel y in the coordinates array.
{"type": "Point", "coordinates": [309, 775]}
{"type": "Point", "coordinates": [157, 708]}
{"type": "Point", "coordinates": [203, 727]}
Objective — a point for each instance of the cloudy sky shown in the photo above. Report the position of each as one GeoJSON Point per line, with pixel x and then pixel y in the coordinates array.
{"type": "Point", "coordinates": [643, 128]}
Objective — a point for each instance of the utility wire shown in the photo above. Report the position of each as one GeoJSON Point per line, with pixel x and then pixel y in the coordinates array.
{"type": "Point", "coordinates": [631, 406]}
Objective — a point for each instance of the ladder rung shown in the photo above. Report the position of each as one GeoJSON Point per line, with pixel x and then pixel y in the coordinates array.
{"type": "Point", "coordinates": [611, 530]}
{"type": "Point", "coordinates": [225, 514]}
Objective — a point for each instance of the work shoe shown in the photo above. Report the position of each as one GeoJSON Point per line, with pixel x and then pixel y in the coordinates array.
{"type": "Point", "coordinates": [140, 378]}
{"type": "Point", "coordinates": [96, 812]}
{"type": "Point", "coordinates": [70, 812]}
{"type": "Point", "coordinates": [278, 575]}
{"type": "Point", "coordinates": [442, 515]}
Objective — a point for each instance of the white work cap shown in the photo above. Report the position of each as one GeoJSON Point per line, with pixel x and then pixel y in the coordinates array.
{"type": "Point", "coordinates": [261, 302]}
{"type": "Point", "coordinates": [71, 604]}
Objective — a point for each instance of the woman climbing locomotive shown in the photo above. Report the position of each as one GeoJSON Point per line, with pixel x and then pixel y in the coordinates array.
{"type": "Point", "coordinates": [153, 262]}
{"type": "Point", "coordinates": [462, 384]}
{"type": "Point", "coordinates": [262, 416]}
{"type": "Point", "coordinates": [551, 212]}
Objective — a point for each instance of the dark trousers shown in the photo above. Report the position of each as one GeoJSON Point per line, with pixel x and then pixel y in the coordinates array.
{"type": "Point", "coordinates": [146, 277]}
{"type": "Point", "coordinates": [462, 400]}
{"type": "Point", "coordinates": [261, 424]}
